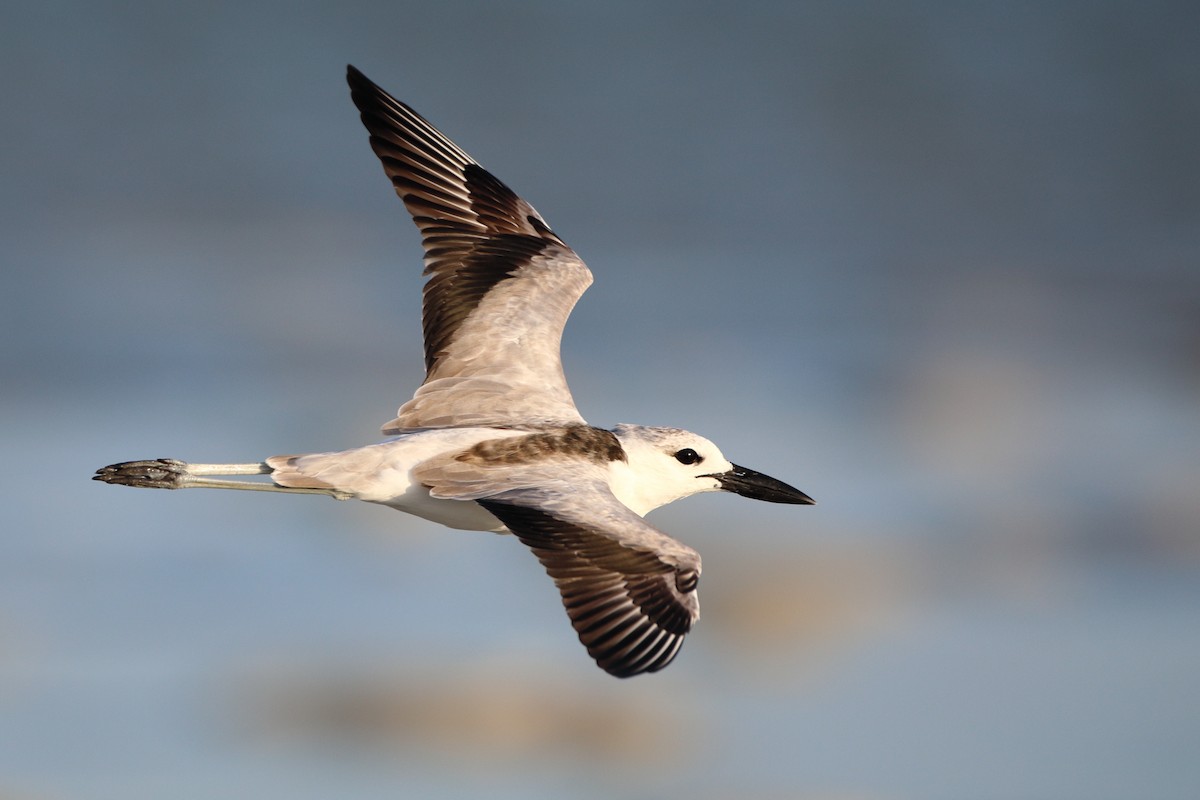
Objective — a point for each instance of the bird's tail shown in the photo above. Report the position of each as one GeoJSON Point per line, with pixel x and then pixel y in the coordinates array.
{"type": "Point", "coordinates": [298, 471]}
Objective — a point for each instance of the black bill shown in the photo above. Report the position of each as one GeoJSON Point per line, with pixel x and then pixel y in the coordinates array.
{"type": "Point", "coordinates": [757, 486]}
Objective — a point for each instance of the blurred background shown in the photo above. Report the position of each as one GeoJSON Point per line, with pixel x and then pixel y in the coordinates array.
{"type": "Point", "coordinates": [936, 264]}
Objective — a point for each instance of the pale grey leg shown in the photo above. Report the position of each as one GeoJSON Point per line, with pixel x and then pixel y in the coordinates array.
{"type": "Point", "coordinates": [167, 473]}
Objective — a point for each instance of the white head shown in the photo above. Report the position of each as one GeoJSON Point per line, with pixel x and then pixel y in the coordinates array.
{"type": "Point", "coordinates": [668, 464]}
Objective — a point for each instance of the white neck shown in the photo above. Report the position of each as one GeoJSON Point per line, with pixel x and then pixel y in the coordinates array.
{"type": "Point", "coordinates": [635, 491]}
{"type": "Point", "coordinates": [638, 491]}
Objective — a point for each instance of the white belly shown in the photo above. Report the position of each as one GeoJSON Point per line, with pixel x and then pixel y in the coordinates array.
{"type": "Point", "coordinates": [464, 515]}
{"type": "Point", "coordinates": [382, 473]}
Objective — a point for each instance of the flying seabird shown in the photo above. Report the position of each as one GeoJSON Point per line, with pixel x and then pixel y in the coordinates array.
{"type": "Point", "coordinates": [492, 440]}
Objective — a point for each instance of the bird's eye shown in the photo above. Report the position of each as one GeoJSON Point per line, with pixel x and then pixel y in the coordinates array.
{"type": "Point", "coordinates": [688, 456]}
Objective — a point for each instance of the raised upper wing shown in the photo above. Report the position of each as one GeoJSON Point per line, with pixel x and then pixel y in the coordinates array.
{"type": "Point", "coordinates": [501, 283]}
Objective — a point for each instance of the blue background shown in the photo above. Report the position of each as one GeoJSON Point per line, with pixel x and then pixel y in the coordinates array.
{"type": "Point", "coordinates": [937, 264]}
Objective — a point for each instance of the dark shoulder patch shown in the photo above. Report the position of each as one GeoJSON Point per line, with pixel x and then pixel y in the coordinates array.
{"type": "Point", "coordinates": [583, 441]}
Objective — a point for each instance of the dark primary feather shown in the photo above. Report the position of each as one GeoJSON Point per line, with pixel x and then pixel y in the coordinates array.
{"type": "Point", "coordinates": [630, 607]}
{"type": "Point", "coordinates": [475, 230]}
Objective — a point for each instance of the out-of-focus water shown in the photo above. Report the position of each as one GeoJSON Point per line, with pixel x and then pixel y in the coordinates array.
{"type": "Point", "coordinates": [936, 265]}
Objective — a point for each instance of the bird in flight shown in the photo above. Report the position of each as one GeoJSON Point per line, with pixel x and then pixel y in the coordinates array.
{"type": "Point", "coordinates": [492, 440]}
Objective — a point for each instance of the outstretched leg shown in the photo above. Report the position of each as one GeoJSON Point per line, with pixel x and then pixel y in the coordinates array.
{"type": "Point", "coordinates": [167, 473]}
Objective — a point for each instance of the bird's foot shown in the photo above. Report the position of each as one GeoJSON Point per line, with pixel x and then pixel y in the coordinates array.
{"type": "Point", "coordinates": [161, 473]}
